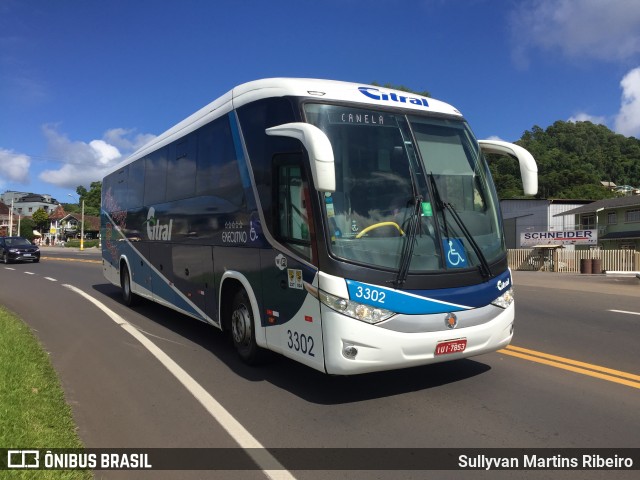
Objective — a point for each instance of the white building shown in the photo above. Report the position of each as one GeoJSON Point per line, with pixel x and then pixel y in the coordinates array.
{"type": "Point", "coordinates": [26, 204]}
{"type": "Point", "coordinates": [536, 215]}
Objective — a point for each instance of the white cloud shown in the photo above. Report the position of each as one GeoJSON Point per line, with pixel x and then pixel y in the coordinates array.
{"type": "Point", "coordinates": [15, 167]}
{"type": "Point", "coordinates": [593, 29]}
{"type": "Point", "coordinates": [627, 121]}
{"type": "Point", "coordinates": [59, 146]}
{"type": "Point", "coordinates": [104, 152]}
{"type": "Point", "coordinates": [70, 176]}
{"type": "Point", "coordinates": [83, 163]}
{"type": "Point", "coordinates": [585, 117]}
{"type": "Point", "coordinates": [127, 140]}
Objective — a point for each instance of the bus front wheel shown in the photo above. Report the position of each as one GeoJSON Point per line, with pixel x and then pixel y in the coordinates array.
{"type": "Point", "coordinates": [243, 330]}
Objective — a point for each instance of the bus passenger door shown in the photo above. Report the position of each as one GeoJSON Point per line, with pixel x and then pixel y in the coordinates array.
{"type": "Point", "coordinates": [293, 322]}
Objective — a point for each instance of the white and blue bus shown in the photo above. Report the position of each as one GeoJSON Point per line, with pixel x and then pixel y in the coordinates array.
{"type": "Point", "coordinates": [350, 227]}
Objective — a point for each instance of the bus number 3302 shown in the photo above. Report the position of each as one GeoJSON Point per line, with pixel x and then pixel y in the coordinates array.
{"type": "Point", "coordinates": [370, 294]}
{"type": "Point", "coordinates": [300, 343]}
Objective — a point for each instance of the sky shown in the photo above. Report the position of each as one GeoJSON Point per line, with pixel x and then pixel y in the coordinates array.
{"type": "Point", "coordinates": [85, 83]}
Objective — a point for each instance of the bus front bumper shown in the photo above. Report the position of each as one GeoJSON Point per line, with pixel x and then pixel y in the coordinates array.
{"type": "Point", "coordinates": [378, 349]}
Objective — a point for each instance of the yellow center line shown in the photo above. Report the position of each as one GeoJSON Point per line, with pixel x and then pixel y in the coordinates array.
{"type": "Point", "coordinates": [583, 368]}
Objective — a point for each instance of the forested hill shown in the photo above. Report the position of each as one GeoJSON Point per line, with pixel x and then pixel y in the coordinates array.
{"type": "Point", "coordinates": [572, 158]}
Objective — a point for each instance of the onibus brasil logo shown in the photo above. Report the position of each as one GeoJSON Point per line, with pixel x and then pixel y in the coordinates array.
{"type": "Point", "coordinates": [155, 229]}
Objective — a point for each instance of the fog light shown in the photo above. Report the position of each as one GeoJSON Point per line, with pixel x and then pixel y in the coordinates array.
{"type": "Point", "coordinates": [350, 352]}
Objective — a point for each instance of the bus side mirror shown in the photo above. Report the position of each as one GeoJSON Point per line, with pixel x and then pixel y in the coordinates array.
{"type": "Point", "coordinates": [319, 148]}
{"type": "Point", "coordinates": [528, 167]}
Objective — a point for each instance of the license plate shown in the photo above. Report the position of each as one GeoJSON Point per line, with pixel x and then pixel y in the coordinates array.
{"type": "Point", "coordinates": [451, 346]}
{"type": "Point", "coordinates": [27, 254]}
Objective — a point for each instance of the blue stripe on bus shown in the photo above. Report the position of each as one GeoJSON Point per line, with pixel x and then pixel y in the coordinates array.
{"type": "Point", "coordinates": [141, 268]}
{"type": "Point", "coordinates": [416, 302]}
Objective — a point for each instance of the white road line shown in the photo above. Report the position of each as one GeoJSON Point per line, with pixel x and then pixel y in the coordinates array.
{"type": "Point", "coordinates": [9, 268]}
{"type": "Point", "coordinates": [624, 311]}
{"type": "Point", "coordinates": [30, 273]}
{"type": "Point", "coordinates": [51, 279]}
{"type": "Point", "coordinates": [269, 465]}
{"type": "Point", "coordinates": [148, 334]}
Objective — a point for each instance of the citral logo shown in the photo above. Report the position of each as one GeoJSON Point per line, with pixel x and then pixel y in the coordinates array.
{"type": "Point", "coordinates": [155, 229]}
{"type": "Point", "coordinates": [502, 285]}
{"type": "Point", "coordinates": [377, 94]}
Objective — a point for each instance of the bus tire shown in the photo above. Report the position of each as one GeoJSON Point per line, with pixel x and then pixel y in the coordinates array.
{"type": "Point", "coordinates": [243, 330]}
{"type": "Point", "coordinates": [128, 297]}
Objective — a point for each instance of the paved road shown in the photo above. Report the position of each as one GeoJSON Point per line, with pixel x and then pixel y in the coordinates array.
{"type": "Point", "coordinates": [572, 316]}
{"type": "Point", "coordinates": [122, 396]}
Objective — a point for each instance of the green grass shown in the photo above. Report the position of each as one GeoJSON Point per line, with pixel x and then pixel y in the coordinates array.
{"type": "Point", "coordinates": [33, 410]}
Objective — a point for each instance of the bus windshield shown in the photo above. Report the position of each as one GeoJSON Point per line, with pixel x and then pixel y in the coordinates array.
{"type": "Point", "coordinates": [391, 168]}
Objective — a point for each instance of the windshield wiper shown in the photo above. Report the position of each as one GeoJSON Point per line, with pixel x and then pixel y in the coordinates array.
{"type": "Point", "coordinates": [411, 231]}
{"type": "Point", "coordinates": [485, 269]}
{"type": "Point", "coordinates": [409, 244]}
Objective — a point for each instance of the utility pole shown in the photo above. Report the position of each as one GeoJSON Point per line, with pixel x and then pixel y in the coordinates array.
{"type": "Point", "coordinates": [11, 219]}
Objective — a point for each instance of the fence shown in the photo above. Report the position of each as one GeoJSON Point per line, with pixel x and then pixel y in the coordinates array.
{"type": "Point", "coordinates": [571, 261]}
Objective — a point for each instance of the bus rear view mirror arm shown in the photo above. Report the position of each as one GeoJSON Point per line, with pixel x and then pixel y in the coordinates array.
{"type": "Point", "coordinates": [319, 149]}
{"type": "Point", "coordinates": [528, 167]}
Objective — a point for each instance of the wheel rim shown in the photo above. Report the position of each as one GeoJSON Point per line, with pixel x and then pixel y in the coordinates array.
{"type": "Point", "coordinates": [241, 325]}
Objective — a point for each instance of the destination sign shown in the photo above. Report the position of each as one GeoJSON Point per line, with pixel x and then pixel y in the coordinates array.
{"type": "Point", "coordinates": [362, 117]}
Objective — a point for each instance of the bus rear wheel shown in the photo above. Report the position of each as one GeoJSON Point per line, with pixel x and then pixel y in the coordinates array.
{"type": "Point", "coordinates": [128, 297]}
{"type": "Point", "coordinates": [243, 330]}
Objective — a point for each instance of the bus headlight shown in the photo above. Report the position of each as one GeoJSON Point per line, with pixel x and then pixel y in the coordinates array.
{"type": "Point", "coordinates": [504, 300]}
{"type": "Point", "coordinates": [359, 311]}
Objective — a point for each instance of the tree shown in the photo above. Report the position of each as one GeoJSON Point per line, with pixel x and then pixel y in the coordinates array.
{"type": "Point", "coordinates": [71, 207]}
{"type": "Point", "coordinates": [573, 158]}
{"type": "Point", "coordinates": [40, 219]}
{"type": "Point", "coordinates": [27, 225]}
{"type": "Point", "coordinates": [91, 197]}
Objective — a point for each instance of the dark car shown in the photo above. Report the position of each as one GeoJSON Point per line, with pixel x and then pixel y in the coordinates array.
{"type": "Point", "coordinates": [18, 249]}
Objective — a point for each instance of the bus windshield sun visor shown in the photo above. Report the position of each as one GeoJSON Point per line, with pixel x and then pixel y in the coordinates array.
{"type": "Point", "coordinates": [319, 148]}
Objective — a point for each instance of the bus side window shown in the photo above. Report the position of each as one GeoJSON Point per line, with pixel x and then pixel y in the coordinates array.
{"type": "Point", "coordinates": [155, 177]}
{"type": "Point", "coordinates": [135, 195]}
{"type": "Point", "coordinates": [181, 169]}
{"type": "Point", "coordinates": [293, 210]}
{"type": "Point", "coordinates": [254, 118]}
{"type": "Point", "coordinates": [218, 173]}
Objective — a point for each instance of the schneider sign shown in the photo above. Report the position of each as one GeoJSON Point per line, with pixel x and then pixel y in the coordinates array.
{"type": "Point", "coordinates": [570, 237]}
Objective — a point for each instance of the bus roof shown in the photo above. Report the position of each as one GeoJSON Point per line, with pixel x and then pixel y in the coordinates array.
{"type": "Point", "coordinates": [332, 90]}
{"type": "Point", "coordinates": [326, 90]}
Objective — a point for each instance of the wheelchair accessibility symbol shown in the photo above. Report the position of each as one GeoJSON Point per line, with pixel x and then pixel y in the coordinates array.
{"type": "Point", "coordinates": [455, 254]}
{"type": "Point", "coordinates": [253, 235]}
